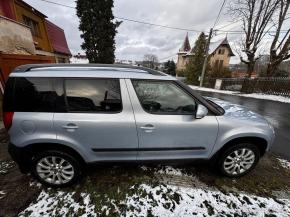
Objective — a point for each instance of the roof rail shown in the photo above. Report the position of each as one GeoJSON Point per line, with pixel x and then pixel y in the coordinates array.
{"type": "Point", "coordinates": [29, 67]}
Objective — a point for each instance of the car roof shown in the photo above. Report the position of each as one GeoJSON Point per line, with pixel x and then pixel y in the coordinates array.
{"type": "Point", "coordinates": [89, 71]}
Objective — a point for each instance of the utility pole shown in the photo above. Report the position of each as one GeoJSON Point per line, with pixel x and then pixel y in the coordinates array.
{"type": "Point", "coordinates": [206, 57]}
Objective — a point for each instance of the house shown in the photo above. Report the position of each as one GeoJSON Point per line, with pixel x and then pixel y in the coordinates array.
{"type": "Point", "coordinates": [48, 39]}
{"type": "Point", "coordinates": [220, 53]}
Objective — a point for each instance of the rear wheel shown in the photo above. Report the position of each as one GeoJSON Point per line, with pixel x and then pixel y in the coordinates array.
{"type": "Point", "coordinates": [238, 160]}
{"type": "Point", "coordinates": [56, 168]}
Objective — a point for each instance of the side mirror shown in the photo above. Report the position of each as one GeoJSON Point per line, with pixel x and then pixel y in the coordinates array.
{"type": "Point", "coordinates": [201, 111]}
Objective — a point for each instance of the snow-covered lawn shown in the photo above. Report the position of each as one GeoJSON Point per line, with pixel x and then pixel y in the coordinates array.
{"type": "Point", "coordinates": [156, 199]}
{"type": "Point", "coordinates": [252, 95]}
{"type": "Point", "coordinates": [161, 200]}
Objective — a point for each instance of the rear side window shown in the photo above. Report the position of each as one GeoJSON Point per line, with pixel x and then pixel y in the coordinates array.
{"type": "Point", "coordinates": [34, 95]}
{"type": "Point", "coordinates": [93, 95]}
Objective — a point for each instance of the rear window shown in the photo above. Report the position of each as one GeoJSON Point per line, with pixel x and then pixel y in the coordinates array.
{"type": "Point", "coordinates": [31, 95]}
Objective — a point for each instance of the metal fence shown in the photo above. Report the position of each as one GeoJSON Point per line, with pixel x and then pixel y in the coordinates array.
{"type": "Point", "coordinates": [272, 85]}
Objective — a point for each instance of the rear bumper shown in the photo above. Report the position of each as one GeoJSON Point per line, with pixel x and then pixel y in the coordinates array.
{"type": "Point", "coordinates": [20, 157]}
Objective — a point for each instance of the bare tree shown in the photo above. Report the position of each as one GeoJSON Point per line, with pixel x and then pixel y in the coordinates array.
{"type": "Point", "coordinates": [150, 61]}
{"type": "Point", "coordinates": [255, 16]}
{"type": "Point", "coordinates": [280, 49]}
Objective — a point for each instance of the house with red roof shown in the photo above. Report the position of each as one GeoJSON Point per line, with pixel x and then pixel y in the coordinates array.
{"type": "Point", "coordinates": [47, 38]}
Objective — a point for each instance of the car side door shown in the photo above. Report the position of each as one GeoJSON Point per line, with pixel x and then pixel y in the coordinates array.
{"type": "Point", "coordinates": [95, 116]}
{"type": "Point", "coordinates": [166, 123]}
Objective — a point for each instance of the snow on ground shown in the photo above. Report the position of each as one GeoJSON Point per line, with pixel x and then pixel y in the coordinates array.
{"type": "Point", "coordinates": [168, 170]}
{"type": "Point", "coordinates": [161, 200]}
{"type": "Point", "coordinates": [252, 95]}
{"type": "Point", "coordinates": [284, 163]}
{"type": "Point", "coordinates": [5, 166]}
{"type": "Point", "coordinates": [180, 201]}
{"type": "Point", "coordinates": [59, 204]}
{"type": "Point", "coordinates": [2, 194]}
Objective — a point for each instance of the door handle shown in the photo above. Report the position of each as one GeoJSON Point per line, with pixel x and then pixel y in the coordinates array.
{"type": "Point", "coordinates": [70, 126]}
{"type": "Point", "coordinates": [148, 128]}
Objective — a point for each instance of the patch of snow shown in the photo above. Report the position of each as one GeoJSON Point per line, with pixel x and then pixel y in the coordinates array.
{"type": "Point", "coordinates": [168, 170]}
{"type": "Point", "coordinates": [159, 200]}
{"type": "Point", "coordinates": [35, 183]}
{"type": "Point", "coordinates": [180, 201]}
{"type": "Point", "coordinates": [284, 163]}
{"type": "Point", "coordinates": [2, 194]}
{"type": "Point", "coordinates": [60, 204]}
{"type": "Point", "coordinates": [251, 95]}
{"type": "Point", "coordinates": [5, 166]}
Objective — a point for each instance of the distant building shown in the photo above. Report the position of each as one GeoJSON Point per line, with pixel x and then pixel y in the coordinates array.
{"type": "Point", "coordinates": [219, 54]}
{"type": "Point", "coordinates": [79, 59]}
{"type": "Point", "coordinates": [48, 39]}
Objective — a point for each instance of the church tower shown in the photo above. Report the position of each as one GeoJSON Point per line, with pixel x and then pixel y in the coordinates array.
{"type": "Point", "coordinates": [183, 51]}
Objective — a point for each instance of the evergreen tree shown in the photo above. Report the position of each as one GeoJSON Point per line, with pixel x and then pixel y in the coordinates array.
{"type": "Point", "coordinates": [98, 29]}
{"type": "Point", "coordinates": [170, 67]}
{"type": "Point", "coordinates": [194, 67]}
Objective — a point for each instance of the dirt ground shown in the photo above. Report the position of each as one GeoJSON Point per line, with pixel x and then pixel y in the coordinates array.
{"type": "Point", "coordinates": [269, 179]}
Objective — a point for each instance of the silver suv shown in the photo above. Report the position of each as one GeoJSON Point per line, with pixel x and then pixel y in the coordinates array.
{"type": "Point", "coordinates": [62, 117]}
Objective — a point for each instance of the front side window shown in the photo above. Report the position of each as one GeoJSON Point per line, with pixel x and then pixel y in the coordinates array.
{"type": "Point", "coordinates": [93, 95]}
{"type": "Point", "coordinates": [163, 97]}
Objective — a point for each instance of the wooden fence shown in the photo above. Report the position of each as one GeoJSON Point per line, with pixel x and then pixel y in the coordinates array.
{"type": "Point", "coordinates": [272, 85]}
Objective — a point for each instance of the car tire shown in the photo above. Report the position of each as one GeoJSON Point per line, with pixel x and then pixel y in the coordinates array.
{"type": "Point", "coordinates": [238, 160]}
{"type": "Point", "coordinates": [56, 168]}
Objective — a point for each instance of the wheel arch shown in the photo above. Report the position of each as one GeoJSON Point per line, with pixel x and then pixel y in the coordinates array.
{"type": "Point", "coordinates": [260, 142]}
{"type": "Point", "coordinates": [35, 148]}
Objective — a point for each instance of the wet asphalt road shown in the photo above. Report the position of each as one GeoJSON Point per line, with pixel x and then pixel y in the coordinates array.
{"type": "Point", "coordinates": [277, 113]}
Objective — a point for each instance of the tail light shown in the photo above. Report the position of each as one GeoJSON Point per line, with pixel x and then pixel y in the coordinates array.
{"type": "Point", "coordinates": [7, 119]}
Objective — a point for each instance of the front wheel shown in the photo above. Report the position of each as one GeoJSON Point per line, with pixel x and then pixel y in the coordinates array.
{"type": "Point", "coordinates": [238, 160]}
{"type": "Point", "coordinates": [56, 168]}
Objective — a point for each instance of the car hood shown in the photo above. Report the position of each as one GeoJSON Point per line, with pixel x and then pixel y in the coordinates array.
{"type": "Point", "coordinates": [238, 111]}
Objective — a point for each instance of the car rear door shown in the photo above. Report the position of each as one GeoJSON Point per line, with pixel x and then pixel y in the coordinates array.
{"type": "Point", "coordinates": [166, 123]}
{"type": "Point", "coordinates": [98, 120]}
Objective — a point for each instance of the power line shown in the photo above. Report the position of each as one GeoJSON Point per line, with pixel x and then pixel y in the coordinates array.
{"type": "Point", "coordinates": [219, 14]}
{"type": "Point", "coordinates": [132, 20]}
{"type": "Point", "coordinates": [167, 57]}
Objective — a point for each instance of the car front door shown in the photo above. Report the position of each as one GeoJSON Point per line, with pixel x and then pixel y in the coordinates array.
{"type": "Point", "coordinates": [166, 123]}
{"type": "Point", "coordinates": [98, 120]}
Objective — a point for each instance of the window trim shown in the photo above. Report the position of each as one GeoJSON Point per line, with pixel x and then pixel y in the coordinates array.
{"type": "Point", "coordinates": [164, 113]}
{"type": "Point", "coordinates": [90, 112]}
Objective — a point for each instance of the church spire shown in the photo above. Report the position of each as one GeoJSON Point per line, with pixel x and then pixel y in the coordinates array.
{"type": "Point", "coordinates": [186, 45]}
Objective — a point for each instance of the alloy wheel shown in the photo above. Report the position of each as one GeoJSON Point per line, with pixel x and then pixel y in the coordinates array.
{"type": "Point", "coordinates": [55, 170]}
{"type": "Point", "coordinates": [239, 161]}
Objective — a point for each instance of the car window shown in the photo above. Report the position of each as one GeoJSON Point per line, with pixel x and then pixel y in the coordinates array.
{"type": "Point", "coordinates": [163, 97]}
{"type": "Point", "coordinates": [93, 95]}
{"type": "Point", "coordinates": [34, 95]}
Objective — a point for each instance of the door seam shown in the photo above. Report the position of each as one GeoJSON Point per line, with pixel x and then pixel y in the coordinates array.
{"type": "Point", "coordinates": [138, 138]}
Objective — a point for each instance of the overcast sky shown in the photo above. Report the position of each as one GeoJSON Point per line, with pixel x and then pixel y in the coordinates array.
{"type": "Point", "coordinates": [134, 40]}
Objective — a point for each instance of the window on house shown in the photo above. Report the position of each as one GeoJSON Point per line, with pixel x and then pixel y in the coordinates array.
{"type": "Point", "coordinates": [221, 51]}
{"type": "Point", "coordinates": [221, 64]}
{"type": "Point", "coordinates": [33, 25]}
{"type": "Point", "coordinates": [216, 64]}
